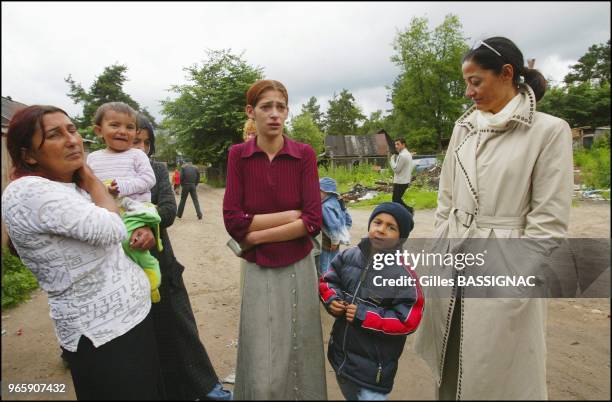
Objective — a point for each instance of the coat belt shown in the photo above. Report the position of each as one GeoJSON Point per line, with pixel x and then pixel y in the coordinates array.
{"type": "Point", "coordinates": [489, 222]}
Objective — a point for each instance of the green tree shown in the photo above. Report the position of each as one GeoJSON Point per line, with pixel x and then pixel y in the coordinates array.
{"type": "Point", "coordinates": [585, 100]}
{"type": "Point", "coordinates": [343, 114]}
{"type": "Point", "coordinates": [592, 67]}
{"type": "Point", "coordinates": [304, 129]}
{"type": "Point", "coordinates": [149, 117]}
{"type": "Point", "coordinates": [373, 124]}
{"type": "Point", "coordinates": [165, 146]}
{"type": "Point", "coordinates": [107, 87]}
{"type": "Point", "coordinates": [429, 92]}
{"type": "Point", "coordinates": [208, 114]}
{"type": "Point", "coordinates": [580, 105]}
{"type": "Point", "coordinates": [314, 109]}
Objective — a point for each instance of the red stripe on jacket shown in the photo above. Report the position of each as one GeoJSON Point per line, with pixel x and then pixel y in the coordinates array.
{"type": "Point", "coordinates": [393, 325]}
{"type": "Point", "coordinates": [325, 291]}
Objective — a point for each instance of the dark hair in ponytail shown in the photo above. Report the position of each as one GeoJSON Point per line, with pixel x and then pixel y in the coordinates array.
{"type": "Point", "coordinates": [536, 81]}
{"type": "Point", "coordinates": [490, 59]}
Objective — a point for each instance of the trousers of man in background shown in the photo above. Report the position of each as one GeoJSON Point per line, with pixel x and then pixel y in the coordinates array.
{"type": "Point", "coordinates": [190, 177]}
{"type": "Point", "coordinates": [398, 193]}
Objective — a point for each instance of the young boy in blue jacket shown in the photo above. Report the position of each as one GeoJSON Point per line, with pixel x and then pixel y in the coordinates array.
{"type": "Point", "coordinates": [372, 322]}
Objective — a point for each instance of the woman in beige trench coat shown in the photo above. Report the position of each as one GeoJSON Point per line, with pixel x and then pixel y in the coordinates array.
{"type": "Point", "coordinates": [507, 174]}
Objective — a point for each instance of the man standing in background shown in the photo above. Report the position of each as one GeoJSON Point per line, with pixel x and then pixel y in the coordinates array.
{"type": "Point", "coordinates": [190, 178]}
{"type": "Point", "coordinates": [402, 172]}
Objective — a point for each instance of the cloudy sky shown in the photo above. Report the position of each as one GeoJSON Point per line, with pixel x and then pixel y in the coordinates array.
{"type": "Point", "coordinates": [314, 48]}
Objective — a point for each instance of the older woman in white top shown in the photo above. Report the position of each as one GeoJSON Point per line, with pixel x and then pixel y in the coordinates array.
{"type": "Point", "coordinates": [65, 227]}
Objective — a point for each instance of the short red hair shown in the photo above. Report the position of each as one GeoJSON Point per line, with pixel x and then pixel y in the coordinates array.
{"type": "Point", "coordinates": [259, 87]}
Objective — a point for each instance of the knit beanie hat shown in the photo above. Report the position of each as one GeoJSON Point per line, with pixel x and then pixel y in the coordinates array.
{"type": "Point", "coordinates": [399, 212]}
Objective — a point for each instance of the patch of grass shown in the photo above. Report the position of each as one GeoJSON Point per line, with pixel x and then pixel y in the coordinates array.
{"type": "Point", "coordinates": [415, 197]}
{"type": "Point", "coordinates": [606, 195]}
{"type": "Point", "coordinates": [594, 164]}
{"type": "Point", "coordinates": [17, 281]}
{"type": "Point", "coordinates": [363, 174]}
{"type": "Point", "coordinates": [418, 196]}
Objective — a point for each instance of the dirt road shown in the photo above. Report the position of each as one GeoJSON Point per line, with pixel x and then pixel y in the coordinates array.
{"type": "Point", "coordinates": [578, 329]}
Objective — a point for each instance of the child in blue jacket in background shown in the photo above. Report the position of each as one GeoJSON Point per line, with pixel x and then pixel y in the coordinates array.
{"type": "Point", "coordinates": [336, 223]}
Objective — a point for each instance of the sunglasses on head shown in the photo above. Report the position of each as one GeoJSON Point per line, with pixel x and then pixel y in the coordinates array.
{"type": "Point", "coordinates": [483, 43]}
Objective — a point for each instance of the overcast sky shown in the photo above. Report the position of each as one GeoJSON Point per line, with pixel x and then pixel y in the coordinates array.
{"type": "Point", "coordinates": [314, 48]}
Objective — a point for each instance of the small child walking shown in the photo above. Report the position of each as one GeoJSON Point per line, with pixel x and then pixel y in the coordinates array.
{"type": "Point", "coordinates": [129, 176]}
{"type": "Point", "coordinates": [372, 322]}
{"type": "Point", "coordinates": [336, 223]}
{"type": "Point", "coordinates": [176, 180]}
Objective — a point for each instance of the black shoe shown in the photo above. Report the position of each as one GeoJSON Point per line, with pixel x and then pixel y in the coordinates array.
{"type": "Point", "coordinates": [178, 216]}
{"type": "Point", "coordinates": [200, 217]}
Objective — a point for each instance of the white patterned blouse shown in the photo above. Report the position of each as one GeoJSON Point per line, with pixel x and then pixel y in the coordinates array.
{"type": "Point", "coordinates": [73, 247]}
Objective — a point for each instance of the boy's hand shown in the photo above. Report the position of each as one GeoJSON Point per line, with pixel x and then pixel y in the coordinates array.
{"type": "Point", "coordinates": [351, 310]}
{"type": "Point", "coordinates": [337, 308]}
{"type": "Point", "coordinates": [334, 247]}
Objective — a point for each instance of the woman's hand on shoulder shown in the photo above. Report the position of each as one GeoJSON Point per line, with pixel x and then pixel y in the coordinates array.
{"type": "Point", "coordinates": [85, 178]}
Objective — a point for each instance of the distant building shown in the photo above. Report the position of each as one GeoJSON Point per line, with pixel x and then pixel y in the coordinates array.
{"type": "Point", "coordinates": [351, 150]}
{"type": "Point", "coordinates": [583, 137]}
{"type": "Point", "coordinates": [9, 108]}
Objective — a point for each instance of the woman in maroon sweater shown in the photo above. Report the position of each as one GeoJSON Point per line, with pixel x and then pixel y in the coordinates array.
{"type": "Point", "coordinates": [272, 207]}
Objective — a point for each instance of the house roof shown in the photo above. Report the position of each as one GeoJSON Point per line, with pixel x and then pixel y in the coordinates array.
{"type": "Point", "coordinates": [9, 108]}
{"type": "Point", "coordinates": [358, 145]}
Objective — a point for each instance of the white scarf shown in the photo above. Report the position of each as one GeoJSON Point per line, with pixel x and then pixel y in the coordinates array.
{"type": "Point", "coordinates": [501, 118]}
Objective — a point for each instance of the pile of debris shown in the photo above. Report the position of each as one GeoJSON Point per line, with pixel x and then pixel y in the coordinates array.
{"type": "Point", "coordinates": [594, 195]}
{"type": "Point", "coordinates": [428, 178]}
{"type": "Point", "coordinates": [360, 193]}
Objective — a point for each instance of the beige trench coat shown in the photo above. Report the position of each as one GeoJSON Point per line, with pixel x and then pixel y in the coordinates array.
{"type": "Point", "coordinates": [516, 182]}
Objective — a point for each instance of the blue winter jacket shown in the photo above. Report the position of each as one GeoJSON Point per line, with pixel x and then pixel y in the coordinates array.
{"type": "Point", "coordinates": [367, 350]}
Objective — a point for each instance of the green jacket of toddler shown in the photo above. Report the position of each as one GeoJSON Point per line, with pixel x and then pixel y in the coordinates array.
{"type": "Point", "coordinates": [135, 215]}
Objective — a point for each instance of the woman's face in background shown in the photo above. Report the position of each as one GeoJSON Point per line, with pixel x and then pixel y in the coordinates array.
{"type": "Point", "coordinates": [142, 141]}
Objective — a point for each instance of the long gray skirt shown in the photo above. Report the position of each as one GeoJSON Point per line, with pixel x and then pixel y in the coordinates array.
{"type": "Point", "coordinates": [280, 344]}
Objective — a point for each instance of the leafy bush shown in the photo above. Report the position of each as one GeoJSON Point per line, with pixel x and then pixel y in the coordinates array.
{"type": "Point", "coordinates": [595, 164]}
{"type": "Point", "coordinates": [17, 280]}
